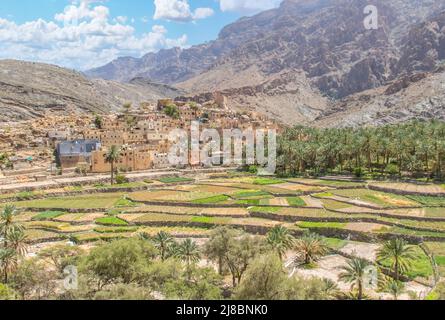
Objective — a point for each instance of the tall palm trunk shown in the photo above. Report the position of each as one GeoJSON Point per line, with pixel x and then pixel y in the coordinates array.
{"type": "Point", "coordinates": [112, 172]}
{"type": "Point", "coordinates": [360, 290]}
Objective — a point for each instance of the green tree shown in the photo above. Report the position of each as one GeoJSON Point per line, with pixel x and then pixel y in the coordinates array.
{"type": "Point", "coordinates": [119, 261]}
{"type": "Point", "coordinates": [310, 248]}
{"type": "Point", "coordinates": [98, 121]}
{"type": "Point", "coordinates": [171, 110]}
{"type": "Point", "coordinates": [266, 279]}
{"type": "Point", "coordinates": [188, 252]}
{"type": "Point", "coordinates": [241, 254]}
{"type": "Point", "coordinates": [354, 273]}
{"type": "Point", "coordinates": [6, 293]}
{"type": "Point", "coordinates": [395, 288]}
{"type": "Point", "coordinates": [32, 280]}
{"type": "Point", "coordinates": [221, 240]}
{"type": "Point", "coordinates": [8, 262]}
{"type": "Point", "coordinates": [162, 241]}
{"type": "Point", "coordinates": [280, 240]}
{"type": "Point", "coordinates": [61, 255]}
{"type": "Point", "coordinates": [13, 244]}
{"type": "Point", "coordinates": [398, 253]}
{"type": "Point", "coordinates": [112, 157]}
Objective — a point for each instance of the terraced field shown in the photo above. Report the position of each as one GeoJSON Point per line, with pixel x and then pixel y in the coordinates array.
{"type": "Point", "coordinates": [342, 211]}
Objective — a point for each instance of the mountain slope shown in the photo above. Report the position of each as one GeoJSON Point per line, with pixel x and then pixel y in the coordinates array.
{"type": "Point", "coordinates": [323, 43]}
{"type": "Point", "coordinates": [29, 90]}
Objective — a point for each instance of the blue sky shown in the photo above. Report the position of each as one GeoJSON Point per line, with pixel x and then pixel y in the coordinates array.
{"type": "Point", "coordinates": [82, 34]}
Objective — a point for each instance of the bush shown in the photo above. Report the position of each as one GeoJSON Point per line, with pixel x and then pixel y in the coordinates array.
{"type": "Point", "coordinates": [121, 179]}
{"type": "Point", "coordinates": [358, 172]}
{"type": "Point", "coordinates": [25, 195]}
{"type": "Point", "coordinates": [392, 169]}
{"type": "Point", "coordinates": [253, 169]}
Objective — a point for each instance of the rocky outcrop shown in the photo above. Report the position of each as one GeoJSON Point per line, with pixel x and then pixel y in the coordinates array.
{"type": "Point", "coordinates": [322, 42]}
{"type": "Point", "coordinates": [29, 90]}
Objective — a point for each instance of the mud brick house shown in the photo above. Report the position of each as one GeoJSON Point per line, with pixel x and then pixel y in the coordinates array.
{"type": "Point", "coordinates": [130, 159]}
{"type": "Point", "coordinates": [71, 154]}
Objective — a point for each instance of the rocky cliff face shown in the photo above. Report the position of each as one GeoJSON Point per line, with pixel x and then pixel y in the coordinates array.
{"type": "Point", "coordinates": [29, 90]}
{"type": "Point", "coordinates": [323, 42]}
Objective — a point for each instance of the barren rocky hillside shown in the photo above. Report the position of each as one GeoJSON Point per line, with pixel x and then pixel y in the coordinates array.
{"type": "Point", "coordinates": [30, 90]}
{"type": "Point", "coordinates": [322, 42]}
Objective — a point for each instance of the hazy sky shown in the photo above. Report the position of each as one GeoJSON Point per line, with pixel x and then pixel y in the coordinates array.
{"type": "Point", "coordinates": [82, 34]}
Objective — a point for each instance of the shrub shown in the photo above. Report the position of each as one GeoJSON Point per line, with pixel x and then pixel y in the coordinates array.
{"type": "Point", "coordinates": [392, 169]}
{"type": "Point", "coordinates": [358, 172]}
{"type": "Point", "coordinates": [121, 179]}
{"type": "Point", "coordinates": [25, 195]}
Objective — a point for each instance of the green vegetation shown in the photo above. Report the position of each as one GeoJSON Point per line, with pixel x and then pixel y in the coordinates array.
{"type": "Point", "coordinates": [250, 202]}
{"type": "Point", "coordinates": [172, 111]}
{"type": "Point", "coordinates": [211, 200]}
{"type": "Point", "coordinates": [112, 221]}
{"type": "Point", "coordinates": [265, 209]}
{"type": "Point", "coordinates": [175, 180]}
{"type": "Point", "coordinates": [250, 194]}
{"type": "Point", "coordinates": [313, 225]}
{"type": "Point", "coordinates": [296, 202]}
{"type": "Point", "coordinates": [106, 200]}
{"type": "Point", "coordinates": [429, 201]}
{"type": "Point", "coordinates": [386, 150]}
{"type": "Point", "coordinates": [48, 215]}
{"type": "Point", "coordinates": [124, 202]}
{"type": "Point", "coordinates": [266, 181]}
{"type": "Point", "coordinates": [115, 229]}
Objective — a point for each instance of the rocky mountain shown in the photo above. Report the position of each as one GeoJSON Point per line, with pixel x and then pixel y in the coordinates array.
{"type": "Point", "coordinates": [29, 90]}
{"type": "Point", "coordinates": [303, 59]}
{"type": "Point", "coordinates": [419, 96]}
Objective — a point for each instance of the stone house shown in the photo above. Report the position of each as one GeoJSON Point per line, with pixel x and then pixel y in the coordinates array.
{"type": "Point", "coordinates": [130, 159]}
{"type": "Point", "coordinates": [71, 154]}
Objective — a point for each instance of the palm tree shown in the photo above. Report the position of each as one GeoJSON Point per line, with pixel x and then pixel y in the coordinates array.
{"type": "Point", "coordinates": [17, 241]}
{"type": "Point", "coordinates": [311, 247]}
{"type": "Point", "coordinates": [162, 241]}
{"type": "Point", "coordinates": [8, 262]}
{"type": "Point", "coordinates": [111, 157]}
{"type": "Point", "coordinates": [399, 254]}
{"type": "Point", "coordinates": [7, 223]}
{"type": "Point", "coordinates": [395, 288]}
{"type": "Point", "coordinates": [280, 240]}
{"type": "Point", "coordinates": [188, 252]}
{"type": "Point", "coordinates": [355, 273]}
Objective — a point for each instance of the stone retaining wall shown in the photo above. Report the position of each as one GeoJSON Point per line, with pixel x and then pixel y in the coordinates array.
{"type": "Point", "coordinates": [405, 193]}
{"type": "Point", "coordinates": [287, 218]}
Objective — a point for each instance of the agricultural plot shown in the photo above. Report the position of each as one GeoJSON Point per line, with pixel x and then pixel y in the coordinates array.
{"type": "Point", "coordinates": [253, 206]}
{"type": "Point", "coordinates": [411, 187]}
{"type": "Point", "coordinates": [377, 198]}
{"type": "Point", "coordinates": [94, 201]}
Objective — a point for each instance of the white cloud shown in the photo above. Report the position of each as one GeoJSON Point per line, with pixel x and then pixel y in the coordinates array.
{"type": "Point", "coordinates": [248, 6]}
{"type": "Point", "coordinates": [81, 37]}
{"type": "Point", "coordinates": [179, 10]}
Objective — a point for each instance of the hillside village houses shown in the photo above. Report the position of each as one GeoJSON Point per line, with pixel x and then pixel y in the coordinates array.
{"type": "Point", "coordinates": [78, 141]}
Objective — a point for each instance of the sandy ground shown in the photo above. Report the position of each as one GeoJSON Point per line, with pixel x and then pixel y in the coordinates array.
{"type": "Point", "coordinates": [363, 250]}
{"type": "Point", "coordinates": [363, 226]}
{"type": "Point", "coordinates": [312, 202]}
{"type": "Point", "coordinates": [278, 202]}
{"type": "Point", "coordinates": [330, 267]}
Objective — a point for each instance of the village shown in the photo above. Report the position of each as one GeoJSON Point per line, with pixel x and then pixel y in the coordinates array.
{"type": "Point", "coordinates": [77, 144]}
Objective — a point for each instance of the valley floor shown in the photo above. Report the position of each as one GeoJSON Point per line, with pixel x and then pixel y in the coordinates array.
{"type": "Point", "coordinates": [352, 216]}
